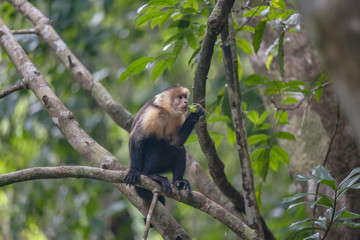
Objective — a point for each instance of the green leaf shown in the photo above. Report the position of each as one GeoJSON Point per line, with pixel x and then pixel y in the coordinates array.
{"type": "Point", "coordinates": [346, 181]}
{"type": "Point", "coordinates": [281, 117]}
{"type": "Point", "coordinates": [262, 126]}
{"type": "Point", "coordinates": [193, 4]}
{"type": "Point", "coordinates": [162, 19]}
{"type": "Point", "coordinates": [295, 83]}
{"type": "Point", "coordinates": [348, 222]}
{"type": "Point", "coordinates": [325, 201]}
{"type": "Point", "coordinates": [147, 17]}
{"type": "Point", "coordinates": [248, 28]}
{"type": "Point", "coordinates": [347, 214]}
{"type": "Point", "coordinates": [263, 116]}
{"type": "Point", "coordinates": [240, 71]}
{"type": "Point", "coordinates": [279, 154]}
{"type": "Point", "coordinates": [219, 119]}
{"type": "Point", "coordinates": [244, 45]}
{"type": "Point", "coordinates": [303, 178]}
{"type": "Point", "coordinates": [355, 186]}
{"type": "Point", "coordinates": [192, 138]}
{"type": "Point", "coordinates": [330, 183]}
{"type": "Point", "coordinates": [257, 11]}
{"type": "Point", "coordinates": [289, 100]}
{"type": "Point", "coordinates": [260, 162]}
{"type": "Point", "coordinates": [293, 198]}
{"type": "Point", "coordinates": [254, 79]}
{"type": "Point", "coordinates": [258, 35]}
{"type": "Point", "coordinates": [135, 67]}
{"type": "Point", "coordinates": [253, 116]}
{"type": "Point", "coordinates": [273, 162]}
{"type": "Point", "coordinates": [217, 137]}
{"type": "Point", "coordinates": [170, 3]}
{"type": "Point", "coordinates": [279, 4]}
{"type": "Point", "coordinates": [256, 138]}
{"type": "Point", "coordinates": [231, 136]}
{"type": "Point", "coordinates": [191, 40]}
{"type": "Point", "coordinates": [317, 94]}
{"type": "Point", "coordinates": [284, 135]}
{"type": "Point", "coordinates": [321, 173]}
{"type": "Point", "coordinates": [281, 55]}
{"type": "Point", "coordinates": [159, 69]}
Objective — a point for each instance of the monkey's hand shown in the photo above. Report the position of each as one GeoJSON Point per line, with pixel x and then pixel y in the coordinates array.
{"type": "Point", "coordinates": [200, 111]}
{"type": "Point", "coordinates": [163, 181]}
{"type": "Point", "coordinates": [132, 177]}
{"type": "Point", "coordinates": [183, 184]}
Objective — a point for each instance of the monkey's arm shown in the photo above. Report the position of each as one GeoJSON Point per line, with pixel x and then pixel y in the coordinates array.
{"type": "Point", "coordinates": [188, 126]}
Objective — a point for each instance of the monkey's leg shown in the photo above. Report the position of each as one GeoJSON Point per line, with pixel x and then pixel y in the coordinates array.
{"type": "Point", "coordinates": [178, 156]}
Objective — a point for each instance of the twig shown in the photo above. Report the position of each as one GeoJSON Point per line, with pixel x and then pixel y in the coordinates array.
{"type": "Point", "coordinates": [19, 86]}
{"type": "Point", "coordinates": [149, 215]}
{"type": "Point", "coordinates": [24, 31]}
{"type": "Point", "coordinates": [302, 100]}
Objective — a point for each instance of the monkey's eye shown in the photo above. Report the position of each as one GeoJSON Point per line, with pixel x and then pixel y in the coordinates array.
{"type": "Point", "coordinates": [180, 97]}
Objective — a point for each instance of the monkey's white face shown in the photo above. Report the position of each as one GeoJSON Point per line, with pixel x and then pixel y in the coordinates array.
{"type": "Point", "coordinates": [180, 104]}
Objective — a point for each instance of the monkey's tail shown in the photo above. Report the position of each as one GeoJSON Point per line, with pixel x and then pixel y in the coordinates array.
{"type": "Point", "coordinates": [147, 195]}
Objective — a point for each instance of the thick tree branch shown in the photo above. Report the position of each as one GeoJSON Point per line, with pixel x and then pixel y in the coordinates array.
{"type": "Point", "coordinates": [42, 26]}
{"type": "Point", "coordinates": [19, 86]}
{"type": "Point", "coordinates": [196, 200]}
{"type": "Point", "coordinates": [238, 119]}
{"type": "Point", "coordinates": [87, 147]}
{"type": "Point", "coordinates": [216, 22]}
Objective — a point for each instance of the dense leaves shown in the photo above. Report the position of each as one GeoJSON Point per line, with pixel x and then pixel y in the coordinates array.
{"type": "Point", "coordinates": [333, 216]}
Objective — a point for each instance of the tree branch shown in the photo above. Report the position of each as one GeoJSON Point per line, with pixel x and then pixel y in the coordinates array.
{"type": "Point", "coordinates": [87, 147]}
{"type": "Point", "coordinates": [24, 31]}
{"type": "Point", "coordinates": [19, 86]}
{"type": "Point", "coordinates": [238, 119]}
{"type": "Point", "coordinates": [196, 199]}
{"type": "Point", "coordinates": [42, 27]}
{"type": "Point", "coordinates": [216, 22]}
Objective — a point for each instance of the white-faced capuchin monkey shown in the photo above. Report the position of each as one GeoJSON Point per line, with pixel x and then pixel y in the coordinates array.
{"type": "Point", "coordinates": [157, 138]}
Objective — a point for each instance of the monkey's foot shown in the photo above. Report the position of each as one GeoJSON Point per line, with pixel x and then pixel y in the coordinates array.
{"type": "Point", "coordinates": [132, 177]}
{"type": "Point", "coordinates": [162, 180]}
{"type": "Point", "coordinates": [183, 184]}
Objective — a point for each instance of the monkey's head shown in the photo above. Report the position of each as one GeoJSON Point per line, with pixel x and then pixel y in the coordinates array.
{"type": "Point", "coordinates": [174, 100]}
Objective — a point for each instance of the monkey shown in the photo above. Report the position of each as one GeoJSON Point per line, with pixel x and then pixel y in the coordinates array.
{"type": "Point", "coordinates": [157, 138]}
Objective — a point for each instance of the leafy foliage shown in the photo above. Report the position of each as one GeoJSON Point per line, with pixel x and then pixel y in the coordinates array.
{"type": "Point", "coordinates": [332, 215]}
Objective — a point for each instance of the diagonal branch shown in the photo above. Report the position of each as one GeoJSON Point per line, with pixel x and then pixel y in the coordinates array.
{"type": "Point", "coordinates": [19, 86]}
{"type": "Point", "coordinates": [42, 27]}
{"type": "Point", "coordinates": [87, 147]}
{"type": "Point", "coordinates": [196, 200]}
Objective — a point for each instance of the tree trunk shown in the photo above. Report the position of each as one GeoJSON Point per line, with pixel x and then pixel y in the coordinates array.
{"type": "Point", "coordinates": [313, 125]}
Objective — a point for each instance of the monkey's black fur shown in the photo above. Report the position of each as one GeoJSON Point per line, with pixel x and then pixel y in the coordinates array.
{"type": "Point", "coordinates": [151, 156]}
